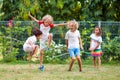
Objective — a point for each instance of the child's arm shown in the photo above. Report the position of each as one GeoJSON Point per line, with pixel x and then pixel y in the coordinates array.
{"type": "Point", "coordinates": [66, 41]}
{"type": "Point", "coordinates": [90, 45]}
{"type": "Point", "coordinates": [33, 18]}
{"type": "Point", "coordinates": [31, 44]}
{"type": "Point", "coordinates": [61, 24]}
{"type": "Point", "coordinates": [91, 49]}
{"type": "Point", "coordinates": [98, 43]}
{"type": "Point", "coordinates": [80, 40]}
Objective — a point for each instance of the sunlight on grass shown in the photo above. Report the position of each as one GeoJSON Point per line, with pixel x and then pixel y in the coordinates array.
{"type": "Point", "coordinates": [57, 72]}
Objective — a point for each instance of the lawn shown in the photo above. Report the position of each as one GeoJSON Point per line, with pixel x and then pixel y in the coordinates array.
{"type": "Point", "coordinates": [30, 71]}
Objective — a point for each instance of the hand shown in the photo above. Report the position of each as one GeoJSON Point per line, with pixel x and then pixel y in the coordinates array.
{"type": "Point", "coordinates": [82, 48]}
{"type": "Point", "coordinates": [91, 49]}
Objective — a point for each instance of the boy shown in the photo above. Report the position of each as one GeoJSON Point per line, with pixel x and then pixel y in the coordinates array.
{"type": "Point", "coordinates": [74, 43]}
{"type": "Point", "coordinates": [29, 45]}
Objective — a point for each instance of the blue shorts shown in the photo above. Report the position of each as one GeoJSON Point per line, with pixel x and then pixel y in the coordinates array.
{"type": "Point", "coordinates": [74, 52]}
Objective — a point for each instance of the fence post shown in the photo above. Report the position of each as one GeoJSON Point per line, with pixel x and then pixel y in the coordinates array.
{"type": "Point", "coordinates": [99, 23]}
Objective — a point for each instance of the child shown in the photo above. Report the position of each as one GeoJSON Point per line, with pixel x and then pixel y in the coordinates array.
{"type": "Point", "coordinates": [29, 45]}
{"type": "Point", "coordinates": [74, 43]}
{"type": "Point", "coordinates": [45, 25]}
{"type": "Point", "coordinates": [95, 45]}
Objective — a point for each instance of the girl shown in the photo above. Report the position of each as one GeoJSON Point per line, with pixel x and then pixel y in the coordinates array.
{"type": "Point", "coordinates": [29, 45]}
{"type": "Point", "coordinates": [95, 45]}
{"type": "Point", "coordinates": [45, 25]}
{"type": "Point", "coordinates": [74, 43]}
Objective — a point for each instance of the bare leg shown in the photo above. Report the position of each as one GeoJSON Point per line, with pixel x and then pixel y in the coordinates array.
{"type": "Point", "coordinates": [35, 51]}
{"type": "Point", "coordinates": [41, 56]}
{"type": "Point", "coordinates": [49, 40]}
{"type": "Point", "coordinates": [99, 62]}
{"type": "Point", "coordinates": [94, 60]}
{"type": "Point", "coordinates": [29, 56]}
{"type": "Point", "coordinates": [71, 63]}
{"type": "Point", "coordinates": [79, 63]}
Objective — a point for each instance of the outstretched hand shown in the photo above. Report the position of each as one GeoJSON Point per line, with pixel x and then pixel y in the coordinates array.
{"type": "Point", "coordinates": [29, 13]}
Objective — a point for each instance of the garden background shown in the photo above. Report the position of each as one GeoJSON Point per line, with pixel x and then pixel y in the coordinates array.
{"type": "Point", "coordinates": [89, 13]}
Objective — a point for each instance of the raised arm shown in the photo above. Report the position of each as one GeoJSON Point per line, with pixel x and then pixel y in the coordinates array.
{"type": "Point", "coordinates": [33, 18]}
{"type": "Point", "coordinates": [61, 24]}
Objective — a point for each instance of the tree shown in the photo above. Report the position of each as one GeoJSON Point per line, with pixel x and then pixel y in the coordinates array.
{"type": "Point", "coordinates": [63, 9]}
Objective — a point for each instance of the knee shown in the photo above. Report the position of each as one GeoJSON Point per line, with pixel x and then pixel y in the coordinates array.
{"type": "Point", "coordinates": [78, 58]}
{"type": "Point", "coordinates": [37, 46]}
{"type": "Point", "coordinates": [73, 59]}
{"type": "Point", "coordinates": [41, 52]}
{"type": "Point", "coordinates": [50, 36]}
{"type": "Point", "coordinates": [99, 59]}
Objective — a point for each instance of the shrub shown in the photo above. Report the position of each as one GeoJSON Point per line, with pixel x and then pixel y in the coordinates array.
{"type": "Point", "coordinates": [111, 49]}
{"type": "Point", "coordinates": [56, 54]}
{"type": "Point", "coordinates": [11, 57]}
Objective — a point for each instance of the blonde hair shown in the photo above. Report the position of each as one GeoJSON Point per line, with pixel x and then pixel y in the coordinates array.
{"type": "Point", "coordinates": [48, 17]}
{"type": "Point", "coordinates": [74, 23]}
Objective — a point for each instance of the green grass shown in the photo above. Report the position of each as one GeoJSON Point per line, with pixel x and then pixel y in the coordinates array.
{"type": "Point", "coordinates": [57, 72]}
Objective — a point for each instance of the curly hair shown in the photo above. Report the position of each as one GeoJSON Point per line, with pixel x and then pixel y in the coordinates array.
{"type": "Point", "coordinates": [48, 17]}
{"type": "Point", "coordinates": [74, 23]}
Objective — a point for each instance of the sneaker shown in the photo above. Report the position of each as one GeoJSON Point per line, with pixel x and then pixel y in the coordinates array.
{"type": "Point", "coordinates": [41, 68]}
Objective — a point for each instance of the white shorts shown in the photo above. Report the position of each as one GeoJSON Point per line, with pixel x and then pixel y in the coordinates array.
{"type": "Point", "coordinates": [28, 48]}
{"type": "Point", "coordinates": [43, 41]}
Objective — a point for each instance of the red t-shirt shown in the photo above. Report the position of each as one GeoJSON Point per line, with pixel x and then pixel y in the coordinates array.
{"type": "Point", "coordinates": [41, 22]}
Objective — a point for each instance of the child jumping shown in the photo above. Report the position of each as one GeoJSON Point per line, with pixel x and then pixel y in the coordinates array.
{"type": "Point", "coordinates": [29, 45]}
{"type": "Point", "coordinates": [74, 43]}
{"type": "Point", "coordinates": [45, 25]}
{"type": "Point", "coordinates": [95, 45]}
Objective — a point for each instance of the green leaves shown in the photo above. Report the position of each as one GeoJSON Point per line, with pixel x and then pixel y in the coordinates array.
{"type": "Point", "coordinates": [63, 9]}
{"type": "Point", "coordinates": [111, 49]}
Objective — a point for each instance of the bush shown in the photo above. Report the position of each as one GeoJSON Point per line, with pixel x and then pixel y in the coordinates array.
{"type": "Point", "coordinates": [11, 57]}
{"type": "Point", "coordinates": [56, 54]}
{"type": "Point", "coordinates": [111, 49]}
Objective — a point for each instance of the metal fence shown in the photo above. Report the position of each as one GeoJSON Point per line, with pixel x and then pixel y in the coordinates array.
{"type": "Point", "coordinates": [21, 30]}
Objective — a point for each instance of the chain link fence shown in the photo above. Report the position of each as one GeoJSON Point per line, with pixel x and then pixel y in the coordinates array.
{"type": "Point", "coordinates": [13, 37]}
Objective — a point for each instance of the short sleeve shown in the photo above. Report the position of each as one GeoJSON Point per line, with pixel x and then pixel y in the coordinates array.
{"type": "Point", "coordinates": [100, 39]}
{"type": "Point", "coordinates": [40, 22]}
{"type": "Point", "coordinates": [92, 35]}
{"type": "Point", "coordinates": [66, 36]}
{"type": "Point", "coordinates": [79, 34]}
{"type": "Point", "coordinates": [51, 25]}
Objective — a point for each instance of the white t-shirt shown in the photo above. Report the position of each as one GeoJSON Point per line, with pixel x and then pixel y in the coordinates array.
{"type": "Point", "coordinates": [73, 39]}
{"type": "Point", "coordinates": [45, 30]}
{"type": "Point", "coordinates": [33, 39]}
{"type": "Point", "coordinates": [95, 39]}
